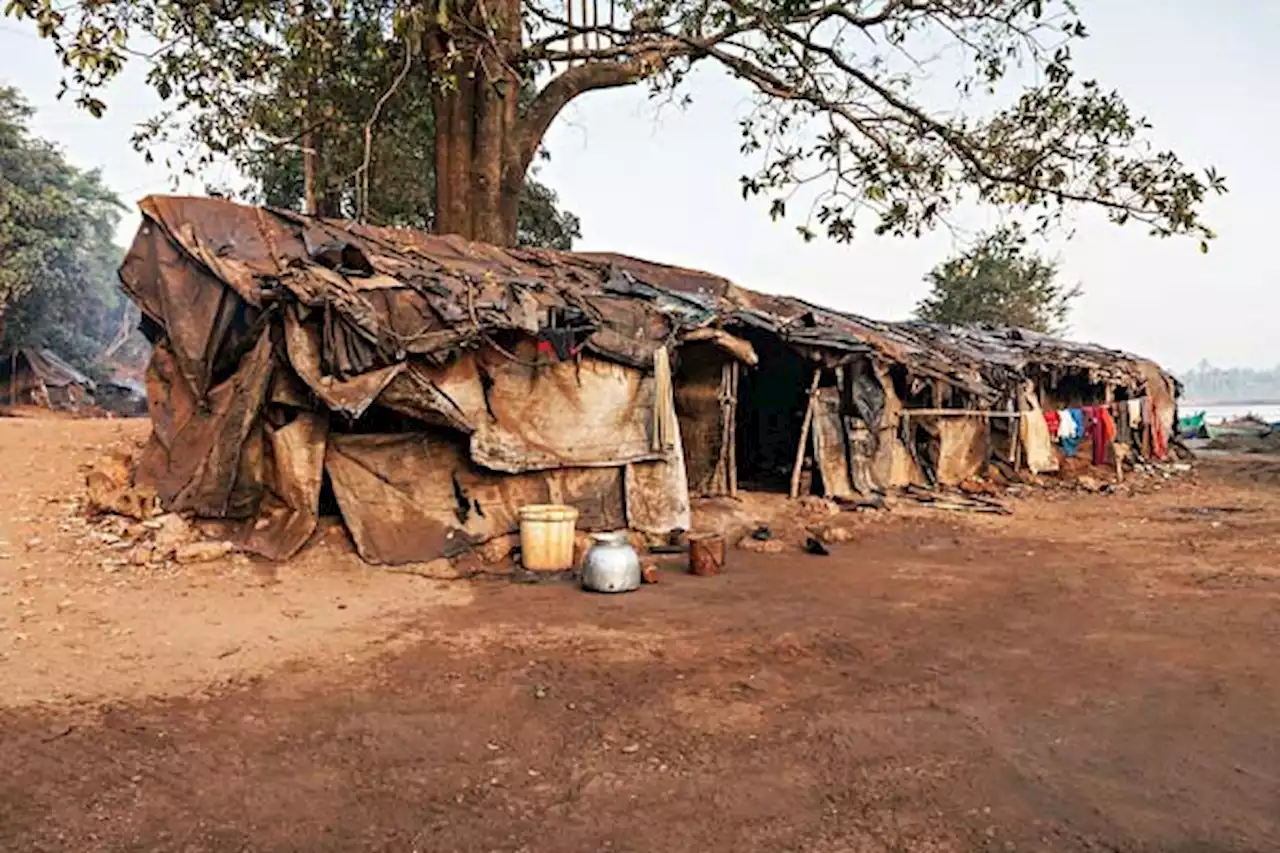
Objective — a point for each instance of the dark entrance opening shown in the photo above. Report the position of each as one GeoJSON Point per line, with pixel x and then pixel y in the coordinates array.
{"type": "Point", "coordinates": [772, 398]}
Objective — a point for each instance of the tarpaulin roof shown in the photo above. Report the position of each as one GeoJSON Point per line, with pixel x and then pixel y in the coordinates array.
{"type": "Point", "coordinates": [390, 293]}
{"type": "Point", "coordinates": [52, 370]}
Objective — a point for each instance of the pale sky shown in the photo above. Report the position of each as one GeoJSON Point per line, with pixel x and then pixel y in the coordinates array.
{"type": "Point", "coordinates": [663, 185]}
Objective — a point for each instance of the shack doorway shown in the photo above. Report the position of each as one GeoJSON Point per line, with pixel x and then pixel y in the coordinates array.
{"type": "Point", "coordinates": [772, 398]}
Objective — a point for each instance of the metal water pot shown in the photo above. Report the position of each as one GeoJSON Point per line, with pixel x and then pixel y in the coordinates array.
{"type": "Point", "coordinates": [611, 564]}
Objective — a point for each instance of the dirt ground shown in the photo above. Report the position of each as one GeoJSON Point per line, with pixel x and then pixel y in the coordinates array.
{"type": "Point", "coordinates": [1092, 673]}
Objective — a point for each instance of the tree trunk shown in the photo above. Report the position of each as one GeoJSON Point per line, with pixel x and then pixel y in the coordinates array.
{"type": "Point", "coordinates": [479, 168]}
{"type": "Point", "coordinates": [308, 170]}
{"type": "Point", "coordinates": [484, 145]}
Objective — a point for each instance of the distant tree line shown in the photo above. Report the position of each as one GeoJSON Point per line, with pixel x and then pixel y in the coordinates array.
{"type": "Point", "coordinates": [1208, 383]}
{"type": "Point", "coordinates": [58, 256]}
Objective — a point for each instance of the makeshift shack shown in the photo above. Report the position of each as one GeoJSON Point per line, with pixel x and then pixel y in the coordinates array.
{"type": "Point", "coordinates": [38, 377]}
{"type": "Point", "coordinates": [122, 396]}
{"type": "Point", "coordinates": [424, 387]}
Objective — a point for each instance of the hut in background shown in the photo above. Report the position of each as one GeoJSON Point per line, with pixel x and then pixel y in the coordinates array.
{"type": "Point", "coordinates": [38, 377]}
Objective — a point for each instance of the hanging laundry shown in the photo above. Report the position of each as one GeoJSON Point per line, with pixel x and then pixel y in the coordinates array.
{"type": "Point", "coordinates": [1052, 419]}
{"type": "Point", "coordinates": [1070, 445]}
{"type": "Point", "coordinates": [1037, 441]}
{"type": "Point", "coordinates": [1123, 429]}
{"type": "Point", "coordinates": [1077, 415]}
{"type": "Point", "coordinates": [1067, 426]}
{"type": "Point", "coordinates": [1102, 431]}
{"type": "Point", "coordinates": [1159, 441]}
{"type": "Point", "coordinates": [561, 341]}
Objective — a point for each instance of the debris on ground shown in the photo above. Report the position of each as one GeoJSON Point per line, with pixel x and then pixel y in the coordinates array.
{"type": "Point", "coordinates": [833, 534]}
{"type": "Point", "coordinates": [956, 502]}
{"type": "Point", "coordinates": [761, 546]}
{"type": "Point", "coordinates": [110, 487]}
{"type": "Point", "coordinates": [813, 545]}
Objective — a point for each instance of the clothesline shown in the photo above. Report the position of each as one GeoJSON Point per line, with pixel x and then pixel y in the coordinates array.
{"type": "Point", "coordinates": [989, 414]}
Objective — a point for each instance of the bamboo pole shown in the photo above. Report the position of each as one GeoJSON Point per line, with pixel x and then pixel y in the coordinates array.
{"type": "Point", "coordinates": [804, 433]}
{"type": "Point", "coordinates": [720, 478]}
{"type": "Point", "coordinates": [733, 428]}
{"type": "Point", "coordinates": [967, 412]}
{"type": "Point", "coordinates": [1016, 435]}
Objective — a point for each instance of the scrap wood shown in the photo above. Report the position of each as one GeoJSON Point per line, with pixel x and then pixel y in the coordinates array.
{"type": "Point", "coordinates": [957, 503]}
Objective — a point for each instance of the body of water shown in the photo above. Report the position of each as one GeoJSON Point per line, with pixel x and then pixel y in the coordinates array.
{"type": "Point", "coordinates": [1229, 411]}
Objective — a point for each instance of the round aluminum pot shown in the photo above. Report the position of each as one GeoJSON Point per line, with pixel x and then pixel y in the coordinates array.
{"type": "Point", "coordinates": [611, 564]}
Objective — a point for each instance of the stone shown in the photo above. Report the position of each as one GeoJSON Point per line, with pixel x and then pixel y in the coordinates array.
{"type": "Point", "coordinates": [110, 488]}
{"type": "Point", "coordinates": [1089, 484]}
{"type": "Point", "coordinates": [834, 535]}
{"type": "Point", "coordinates": [202, 552]}
{"type": "Point", "coordinates": [759, 546]}
{"type": "Point", "coordinates": [441, 568]}
{"type": "Point", "coordinates": [172, 530]}
{"type": "Point", "coordinates": [498, 549]}
{"type": "Point", "coordinates": [815, 505]}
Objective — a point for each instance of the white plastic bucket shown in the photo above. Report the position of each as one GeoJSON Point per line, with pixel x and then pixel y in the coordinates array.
{"type": "Point", "coordinates": [546, 537]}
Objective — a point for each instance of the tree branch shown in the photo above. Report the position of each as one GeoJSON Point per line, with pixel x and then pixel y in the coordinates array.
{"type": "Point", "coordinates": [580, 79]}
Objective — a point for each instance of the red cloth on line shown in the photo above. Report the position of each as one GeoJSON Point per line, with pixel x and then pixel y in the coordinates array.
{"type": "Point", "coordinates": [1101, 428]}
{"type": "Point", "coordinates": [1052, 419]}
{"type": "Point", "coordinates": [1159, 442]}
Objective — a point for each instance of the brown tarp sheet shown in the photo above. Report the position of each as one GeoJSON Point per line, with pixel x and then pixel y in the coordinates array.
{"type": "Point", "coordinates": [294, 477]}
{"type": "Point", "coordinates": [962, 448]}
{"type": "Point", "coordinates": [206, 455]}
{"type": "Point", "coordinates": [830, 449]}
{"type": "Point", "coordinates": [411, 497]}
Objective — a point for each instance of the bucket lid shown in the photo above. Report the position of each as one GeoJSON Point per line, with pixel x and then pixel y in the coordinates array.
{"type": "Point", "coordinates": [548, 512]}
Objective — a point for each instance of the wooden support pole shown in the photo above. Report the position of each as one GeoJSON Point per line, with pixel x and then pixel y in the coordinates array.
{"type": "Point", "coordinates": [804, 433]}
{"type": "Point", "coordinates": [733, 428]}
{"type": "Point", "coordinates": [961, 412]}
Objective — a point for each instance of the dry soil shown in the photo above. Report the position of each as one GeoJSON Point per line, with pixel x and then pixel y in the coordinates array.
{"type": "Point", "coordinates": [1092, 673]}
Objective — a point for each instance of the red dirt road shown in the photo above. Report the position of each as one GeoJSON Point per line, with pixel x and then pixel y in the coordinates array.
{"type": "Point", "coordinates": [1095, 673]}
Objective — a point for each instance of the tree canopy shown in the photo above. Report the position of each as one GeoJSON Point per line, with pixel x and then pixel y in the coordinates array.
{"type": "Point", "coordinates": [57, 253]}
{"type": "Point", "coordinates": [843, 114]}
{"type": "Point", "coordinates": [999, 282]}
